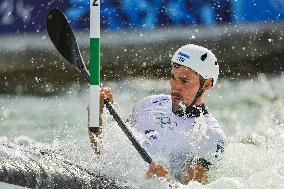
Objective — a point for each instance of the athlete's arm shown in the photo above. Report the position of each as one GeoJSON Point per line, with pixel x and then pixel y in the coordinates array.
{"type": "Point", "coordinates": [105, 93]}
{"type": "Point", "coordinates": [197, 169]}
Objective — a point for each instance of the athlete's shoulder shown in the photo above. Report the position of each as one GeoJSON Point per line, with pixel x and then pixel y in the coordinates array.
{"type": "Point", "coordinates": [153, 100]}
{"type": "Point", "coordinates": [215, 131]}
{"type": "Point", "coordinates": [211, 121]}
{"type": "Point", "coordinates": [157, 98]}
{"type": "Point", "coordinates": [151, 104]}
{"type": "Point", "coordinates": [211, 140]}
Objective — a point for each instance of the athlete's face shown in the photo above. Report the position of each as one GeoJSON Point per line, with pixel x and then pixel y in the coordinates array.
{"type": "Point", "coordinates": [184, 85]}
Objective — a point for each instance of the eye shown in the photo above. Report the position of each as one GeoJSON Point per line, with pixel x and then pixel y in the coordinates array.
{"type": "Point", "coordinates": [183, 80]}
{"type": "Point", "coordinates": [172, 77]}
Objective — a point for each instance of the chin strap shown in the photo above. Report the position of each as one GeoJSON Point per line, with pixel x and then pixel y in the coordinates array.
{"type": "Point", "coordinates": [199, 92]}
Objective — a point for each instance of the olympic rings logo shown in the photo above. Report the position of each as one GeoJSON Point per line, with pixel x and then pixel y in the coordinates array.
{"type": "Point", "coordinates": [164, 121]}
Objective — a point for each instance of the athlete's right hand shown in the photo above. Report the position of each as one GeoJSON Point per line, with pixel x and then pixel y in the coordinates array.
{"type": "Point", "coordinates": [105, 93]}
{"type": "Point", "coordinates": [157, 171]}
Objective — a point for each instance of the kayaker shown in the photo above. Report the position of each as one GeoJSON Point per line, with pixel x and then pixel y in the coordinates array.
{"type": "Point", "coordinates": [179, 126]}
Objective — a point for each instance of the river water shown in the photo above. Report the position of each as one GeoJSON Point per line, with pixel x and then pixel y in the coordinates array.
{"type": "Point", "coordinates": [251, 112]}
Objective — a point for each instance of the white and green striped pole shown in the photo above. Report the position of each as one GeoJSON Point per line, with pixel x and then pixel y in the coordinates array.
{"type": "Point", "coordinates": [94, 64]}
{"type": "Point", "coordinates": [95, 82]}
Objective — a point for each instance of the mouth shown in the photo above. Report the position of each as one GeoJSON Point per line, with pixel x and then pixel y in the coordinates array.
{"type": "Point", "coordinates": [176, 97]}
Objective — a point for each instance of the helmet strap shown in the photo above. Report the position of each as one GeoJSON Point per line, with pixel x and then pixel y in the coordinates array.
{"type": "Point", "coordinates": [200, 91]}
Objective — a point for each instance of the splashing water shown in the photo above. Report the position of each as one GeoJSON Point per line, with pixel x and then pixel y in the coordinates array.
{"type": "Point", "coordinates": [250, 111]}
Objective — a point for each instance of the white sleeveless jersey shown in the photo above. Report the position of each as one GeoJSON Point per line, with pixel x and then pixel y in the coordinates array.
{"type": "Point", "coordinates": [174, 136]}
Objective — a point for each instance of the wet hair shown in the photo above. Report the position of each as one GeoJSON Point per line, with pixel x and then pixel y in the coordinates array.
{"type": "Point", "coordinates": [176, 65]}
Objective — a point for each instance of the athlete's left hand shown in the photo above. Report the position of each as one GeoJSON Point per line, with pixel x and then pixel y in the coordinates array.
{"type": "Point", "coordinates": [157, 171]}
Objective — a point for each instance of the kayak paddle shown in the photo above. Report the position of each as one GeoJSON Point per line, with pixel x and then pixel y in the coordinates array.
{"type": "Point", "coordinates": [63, 38]}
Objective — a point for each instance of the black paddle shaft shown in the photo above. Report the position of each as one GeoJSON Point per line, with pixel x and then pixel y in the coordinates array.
{"type": "Point", "coordinates": [122, 125]}
{"type": "Point", "coordinates": [63, 38]}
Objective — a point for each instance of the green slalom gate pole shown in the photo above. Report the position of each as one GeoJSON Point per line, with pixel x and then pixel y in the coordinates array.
{"type": "Point", "coordinates": [95, 82]}
{"type": "Point", "coordinates": [94, 64]}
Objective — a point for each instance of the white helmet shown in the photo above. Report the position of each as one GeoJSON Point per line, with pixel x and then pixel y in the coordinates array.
{"type": "Point", "coordinates": [199, 59]}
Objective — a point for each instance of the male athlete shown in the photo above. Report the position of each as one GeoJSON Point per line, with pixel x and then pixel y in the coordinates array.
{"type": "Point", "coordinates": [178, 127]}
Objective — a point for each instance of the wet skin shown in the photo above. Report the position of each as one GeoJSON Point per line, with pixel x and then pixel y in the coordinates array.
{"type": "Point", "coordinates": [184, 86]}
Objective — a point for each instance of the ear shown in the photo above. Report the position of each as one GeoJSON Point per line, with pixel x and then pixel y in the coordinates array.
{"type": "Point", "coordinates": [208, 84]}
